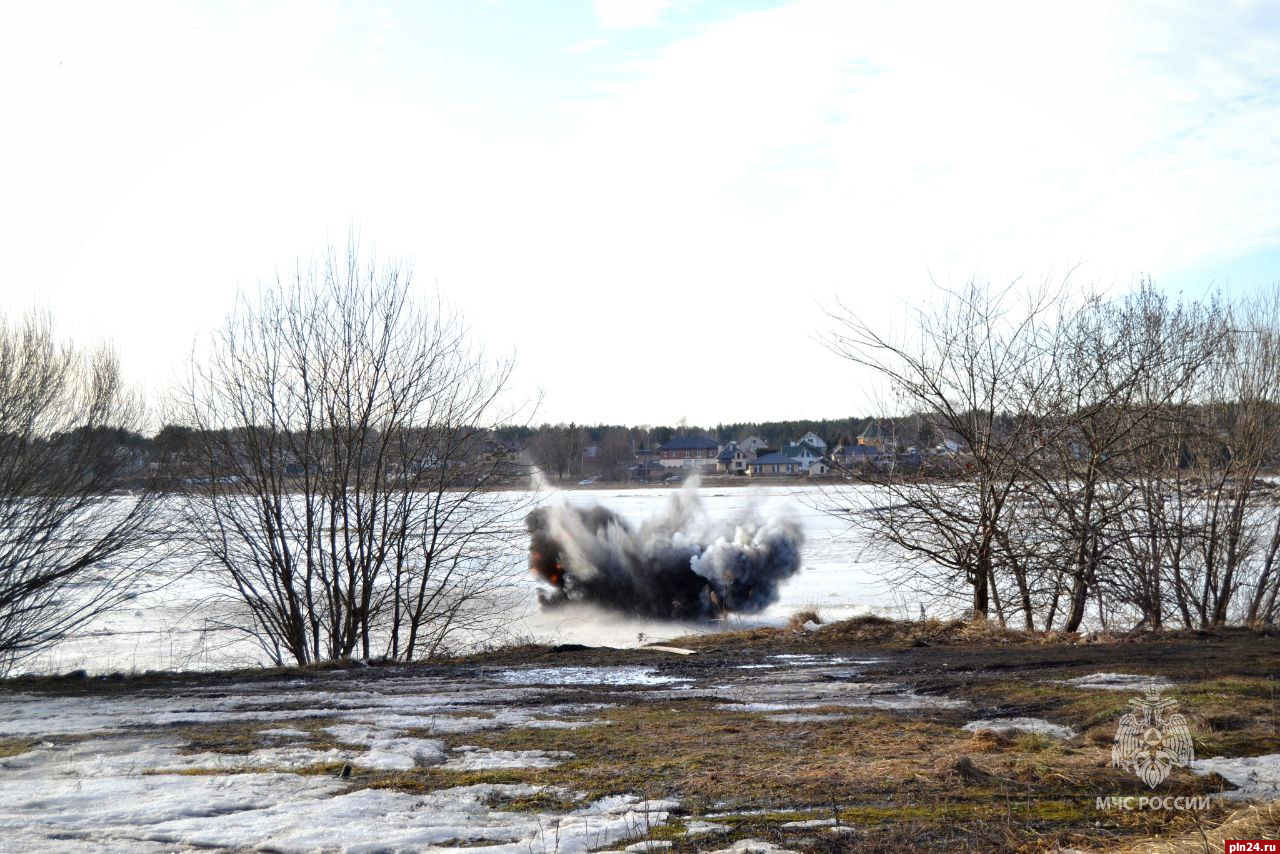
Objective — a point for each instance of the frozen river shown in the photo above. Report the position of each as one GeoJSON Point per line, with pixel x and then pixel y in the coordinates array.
{"type": "Point", "coordinates": [171, 628]}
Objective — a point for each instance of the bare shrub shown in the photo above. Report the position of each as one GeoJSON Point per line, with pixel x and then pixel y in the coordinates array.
{"type": "Point", "coordinates": [342, 475]}
{"type": "Point", "coordinates": [76, 512]}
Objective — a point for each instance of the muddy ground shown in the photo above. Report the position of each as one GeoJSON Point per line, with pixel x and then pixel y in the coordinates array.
{"type": "Point", "coordinates": [847, 737]}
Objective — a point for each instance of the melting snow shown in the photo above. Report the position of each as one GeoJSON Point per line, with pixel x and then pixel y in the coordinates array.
{"type": "Point", "coordinates": [753, 846]}
{"type": "Point", "coordinates": [1255, 777]}
{"type": "Point", "coordinates": [1118, 682]}
{"type": "Point", "coordinates": [285, 732]}
{"type": "Point", "coordinates": [482, 758]}
{"type": "Point", "coordinates": [621, 675]}
{"type": "Point", "coordinates": [1034, 725]}
{"type": "Point", "coordinates": [104, 794]}
{"type": "Point", "coordinates": [792, 694]}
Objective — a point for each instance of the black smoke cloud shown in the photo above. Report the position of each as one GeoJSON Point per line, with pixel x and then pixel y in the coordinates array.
{"type": "Point", "coordinates": [679, 565]}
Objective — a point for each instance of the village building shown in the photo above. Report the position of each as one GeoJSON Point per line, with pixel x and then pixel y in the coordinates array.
{"type": "Point", "coordinates": [814, 441]}
{"type": "Point", "coordinates": [753, 444]}
{"type": "Point", "coordinates": [773, 465]}
{"type": "Point", "coordinates": [872, 436]}
{"type": "Point", "coordinates": [689, 452]}
{"type": "Point", "coordinates": [854, 456]}
{"type": "Point", "coordinates": [733, 459]}
{"type": "Point", "coordinates": [803, 453]}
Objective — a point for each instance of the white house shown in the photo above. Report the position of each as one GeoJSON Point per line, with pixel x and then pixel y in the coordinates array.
{"type": "Point", "coordinates": [754, 444]}
{"type": "Point", "coordinates": [813, 440]}
{"type": "Point", "coordinates": [803, 453]}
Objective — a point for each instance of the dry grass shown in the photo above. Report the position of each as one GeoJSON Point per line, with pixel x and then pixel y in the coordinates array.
{"type": "Point", "coordinates": [1254, 822]}
{"type": "Point", "coordinates": [871, 630]}
{"type": "Point", "coordinates": [16, 746]}
{"type": "Point", "coordinates": [883, 773]}
{"type": "Point", "coordinates": [800, 618]}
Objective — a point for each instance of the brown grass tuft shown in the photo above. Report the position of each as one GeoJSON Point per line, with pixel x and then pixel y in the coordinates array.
{"type": "Point", "coordinates": [1254, 822]}
{"type": "Point", "coordinates": [799, 618]}
{"type": "Point", "coordinates": [988, 740]}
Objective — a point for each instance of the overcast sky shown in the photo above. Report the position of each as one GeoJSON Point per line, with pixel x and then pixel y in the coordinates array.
{"type": "Point", "coordinates": [650, 201]}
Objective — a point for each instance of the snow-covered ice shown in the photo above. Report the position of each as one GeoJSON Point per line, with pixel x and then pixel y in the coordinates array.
{"type": "Point", "coordinates": [164, 629]}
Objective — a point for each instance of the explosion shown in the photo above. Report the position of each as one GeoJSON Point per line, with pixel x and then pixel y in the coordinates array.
{"type": "Point", "coordinates": [680, 565]}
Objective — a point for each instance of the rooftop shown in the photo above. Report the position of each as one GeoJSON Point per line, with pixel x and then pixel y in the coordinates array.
{"type": "Point", "coordinates": [771, 459]}
{"type": "Point", "coordinates": [689, 443]}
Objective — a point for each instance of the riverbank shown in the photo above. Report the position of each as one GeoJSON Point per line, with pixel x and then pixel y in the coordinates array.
{"type": "Point", "coordinates": [865, 734]}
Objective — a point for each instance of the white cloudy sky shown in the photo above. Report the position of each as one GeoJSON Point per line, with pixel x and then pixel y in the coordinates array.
{"type": "Point", "coordinates": [650, 201]}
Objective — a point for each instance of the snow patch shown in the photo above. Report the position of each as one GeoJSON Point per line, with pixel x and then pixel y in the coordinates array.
{"type": "Point", "coordinates": [753, 846]}
{"type": "Point", "coordinates": [1255, 777]}
{"type": "Point", "coordinates": [1032, 725]}
{"type": "Point", "coordinates": [285, 732]}
{"type": "Point", "coordinates": [386, 750]}
{"type": "Point", "coordinates": [812, 822]}
{"type": "Point", "coordinates": [482, 759]}
{"type": "Point", "coordinates": [1118, 682]}
{"type": "Point", "coordinates": [697, 827]}
{"type": "Point", "coordinates": [621, 675]}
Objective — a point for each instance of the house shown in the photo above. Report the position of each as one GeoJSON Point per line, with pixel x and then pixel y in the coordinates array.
{"type": "Point", "coordinates": [802, 453]}
{"type": "Point", "coordinates": [856, 455]}
{"type": "Point", "coordinates": [872, 435]}
{"type": "Point", "coordinates": [754, 444]}
{"type": "Point", "coordinates": [813, 440]}
{"type": "Point", "coordinates": [733, 459]}
{"type": "Point", "coordinates": [688, 452]}
{"type": "Point", "coordinates": [772, 465]}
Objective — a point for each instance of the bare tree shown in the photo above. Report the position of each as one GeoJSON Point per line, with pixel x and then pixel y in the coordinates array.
{"type": "Point", "coordinates": [76, 514]}
{"type": "Point", "coordinates": [1118, 369]}
{"type": "Point", "coordinates": [557, 449]}
{"type": "Point", "coordinates": [1238, 438]}
{"type": "Point", "coordinates": [972, 370]}
{"type": "Point", "coordinates": [1073, 422]}
{"type": "Point", "coordinates": [615, 454]}
{"type": "Point", "coordinates": [347, 489]}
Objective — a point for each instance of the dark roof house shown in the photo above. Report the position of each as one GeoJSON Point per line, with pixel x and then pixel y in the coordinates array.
{"type": "Point", "coordinates": [690, 443]}
{"type": "Point", "coordinates": [774, 464]}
